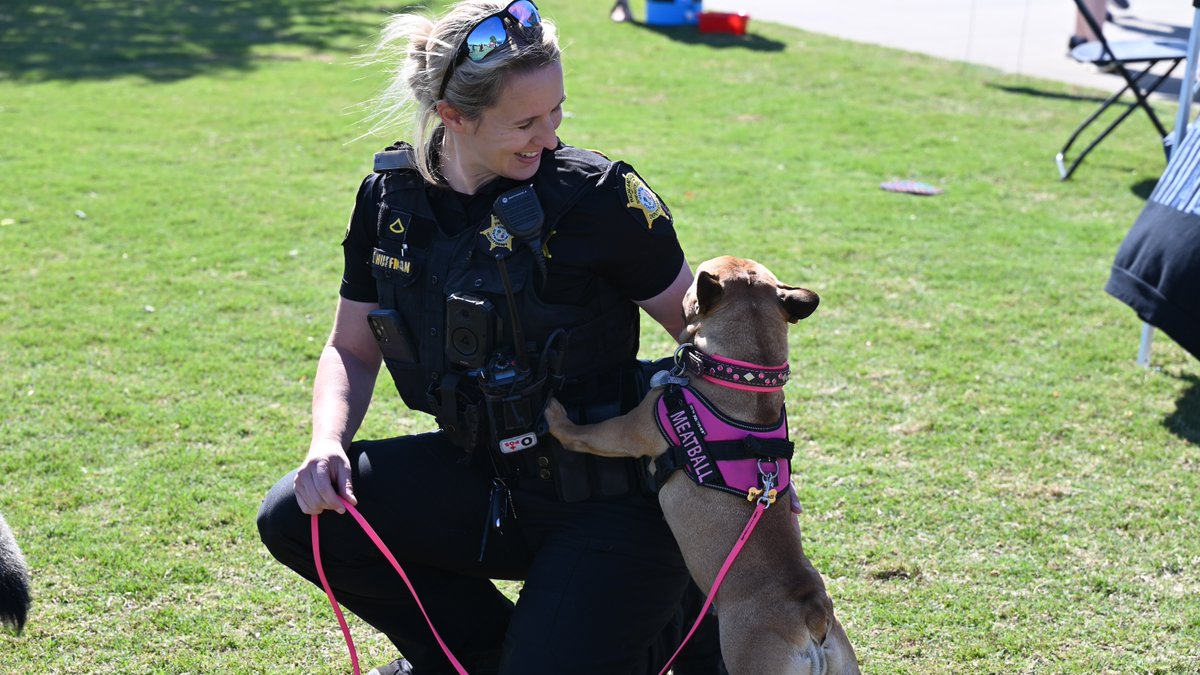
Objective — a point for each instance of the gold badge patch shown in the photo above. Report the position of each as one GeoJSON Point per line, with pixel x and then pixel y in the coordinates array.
{"type": "Point", "coordinates": [497, 236]}
{"type": "Point", "coordinates": [642, 198]}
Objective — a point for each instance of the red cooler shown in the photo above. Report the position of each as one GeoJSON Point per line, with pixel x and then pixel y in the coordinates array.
{"type": "Point", "coordinates": [724, 22]}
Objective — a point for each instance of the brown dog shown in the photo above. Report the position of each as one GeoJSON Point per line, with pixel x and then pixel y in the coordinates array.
{"type": "Point", "coordinates": [775, 615]}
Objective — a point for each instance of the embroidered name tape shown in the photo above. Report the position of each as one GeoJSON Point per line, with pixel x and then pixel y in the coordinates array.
{"type": "Point", "coordinates": [384, 260]}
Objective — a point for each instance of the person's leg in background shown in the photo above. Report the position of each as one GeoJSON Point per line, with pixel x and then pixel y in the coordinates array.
{"type": "Point", "coordinates": [1083, 32]}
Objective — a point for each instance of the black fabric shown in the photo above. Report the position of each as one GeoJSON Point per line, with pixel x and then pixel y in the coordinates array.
{"type": "Point", "coordinates": [603, 580]}
{"type": "Point", "coordinates": [1157, 273]}
{"type": "Point", "coordinates": [1157, 267]}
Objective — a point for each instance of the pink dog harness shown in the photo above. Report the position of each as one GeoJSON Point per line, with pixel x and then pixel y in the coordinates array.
{"type": "Point", "coordinates": [718, 452]}
{"type": "Point", "coordinates": [715, 450]}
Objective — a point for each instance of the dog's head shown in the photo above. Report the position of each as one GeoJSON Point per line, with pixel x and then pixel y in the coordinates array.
{"type": "Point", "coordinates": [732, 296]}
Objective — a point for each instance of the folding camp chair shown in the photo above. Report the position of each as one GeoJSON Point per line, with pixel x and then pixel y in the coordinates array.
{"type": "Point", "coordinates": [1117, 56]}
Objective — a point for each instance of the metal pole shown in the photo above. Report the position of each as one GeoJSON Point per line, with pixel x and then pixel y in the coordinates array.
{"type": "Point", "coordinates": [1189, 78]}
{"type": "Point", "coordinates": [1186, 93]}
{"type": "Point", "coordinates": [1143, 358]}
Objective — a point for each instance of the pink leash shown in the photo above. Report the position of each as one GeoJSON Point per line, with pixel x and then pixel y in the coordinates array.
{"type": "Point", "coordinates": [737, 548]}
{"type": "Point", "coordinates": [316, 546]}
{"type": "Point", "coordinates": [761, 506]}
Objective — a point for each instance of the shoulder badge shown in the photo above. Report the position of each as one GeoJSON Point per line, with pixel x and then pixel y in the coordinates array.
{"type": "Point", "coordinates": [497, 235]}
{"type": "Point", "coordinates": [642, 198]}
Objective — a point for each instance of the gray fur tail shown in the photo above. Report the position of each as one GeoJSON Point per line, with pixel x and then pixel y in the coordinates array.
{"type": "Point", "coordinates": [14, 581]}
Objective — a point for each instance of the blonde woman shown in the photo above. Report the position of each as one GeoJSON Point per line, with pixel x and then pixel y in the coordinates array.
{"type": "Point", "coordinates": [488, 265]}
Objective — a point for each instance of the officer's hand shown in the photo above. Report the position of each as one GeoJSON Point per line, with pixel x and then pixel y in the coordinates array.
{"type": "Point", "coordinates": [324, 475]}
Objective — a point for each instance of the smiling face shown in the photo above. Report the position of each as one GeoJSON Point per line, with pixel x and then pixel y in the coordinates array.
{"type": "Point", "coordinates": [508, 138]}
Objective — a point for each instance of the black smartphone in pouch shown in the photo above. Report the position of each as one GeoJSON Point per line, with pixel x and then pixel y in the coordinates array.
{"type": "Point", "coordinates": [389, 332]}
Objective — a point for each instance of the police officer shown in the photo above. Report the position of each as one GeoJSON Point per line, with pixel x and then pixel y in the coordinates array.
{"type": "Point", "coordinates": [489, 266]}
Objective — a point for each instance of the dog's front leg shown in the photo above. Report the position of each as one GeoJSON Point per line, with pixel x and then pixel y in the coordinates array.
{"type": "Point", "coordinates": [633, 434]}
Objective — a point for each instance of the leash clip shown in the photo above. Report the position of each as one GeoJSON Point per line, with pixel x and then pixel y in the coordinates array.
{"type": "Point", "coordinates": [767, 493]}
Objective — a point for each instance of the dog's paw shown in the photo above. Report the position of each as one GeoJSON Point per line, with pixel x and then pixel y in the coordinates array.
{"type": "Point", "coordinates": [556, 417]}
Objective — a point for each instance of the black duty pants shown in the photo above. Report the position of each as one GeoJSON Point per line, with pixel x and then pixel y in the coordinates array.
{"type": "Point", "coordinates": [603, 578]}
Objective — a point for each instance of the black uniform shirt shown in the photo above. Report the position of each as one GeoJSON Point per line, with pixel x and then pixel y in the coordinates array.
{"type": "Point", "coordinates": [604, 237]}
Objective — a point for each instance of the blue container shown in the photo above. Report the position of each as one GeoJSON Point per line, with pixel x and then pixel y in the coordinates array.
{"type": "Point", "coordinates": [672, 12]}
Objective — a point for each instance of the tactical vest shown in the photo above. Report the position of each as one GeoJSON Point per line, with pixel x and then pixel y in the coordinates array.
{"type": "Point", "coordinates": [418, 267]}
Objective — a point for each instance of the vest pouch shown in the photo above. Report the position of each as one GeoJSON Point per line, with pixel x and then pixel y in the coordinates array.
{"type": "Point", "coordinates": [513, 414]}
{"type": "Point", "coordinates": [393, 274]}
{"type": "Point", "coordinates": [409, 379]}
{"type": "Point", "coordinates": [458, 408]}
{"type": "Point", "coordinates": [483, 276]}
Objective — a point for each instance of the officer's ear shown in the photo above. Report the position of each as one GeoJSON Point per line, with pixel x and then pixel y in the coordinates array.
{"type": "Point", "coordinates": [452, 118]}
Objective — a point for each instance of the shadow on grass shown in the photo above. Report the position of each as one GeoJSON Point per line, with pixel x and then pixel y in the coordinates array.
{"type": "Point", "coordinates": [691, 36]}
{"type": "Point", "coordinates": [1042, 93]}
{"type": "Point", "coordinates": [1185, 421]}
{"type": "Point", "coordinates": [1143, 188]}
{"type": "Point", "coordinates": [1167, 92]}
{"type": "Point", "coordinates": [165, 40]}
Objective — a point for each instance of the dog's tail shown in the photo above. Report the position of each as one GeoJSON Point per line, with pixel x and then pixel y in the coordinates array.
{"type": "Point", "coordinates": [14, 581]}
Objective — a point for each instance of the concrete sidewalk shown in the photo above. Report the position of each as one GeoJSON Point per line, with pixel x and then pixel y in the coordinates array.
{"type": "Point", "coordinates": [1024, 37]}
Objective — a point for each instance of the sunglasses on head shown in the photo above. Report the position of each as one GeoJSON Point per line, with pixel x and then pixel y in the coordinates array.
{"type": "Point", "coordinates": [490, 34]}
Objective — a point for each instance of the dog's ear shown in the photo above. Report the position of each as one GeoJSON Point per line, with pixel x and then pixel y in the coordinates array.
{"type": "Point", "coordinates": [708, 291]}
{"type": "Point", "coordinates": [797, 302]}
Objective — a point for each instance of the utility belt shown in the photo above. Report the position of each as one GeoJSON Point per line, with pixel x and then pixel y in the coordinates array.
{"type": "Point", "coordinates": [551, 469]}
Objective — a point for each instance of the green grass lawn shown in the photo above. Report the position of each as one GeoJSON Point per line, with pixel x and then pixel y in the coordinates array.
{"type": "Point", "coordinates": [990, 483]}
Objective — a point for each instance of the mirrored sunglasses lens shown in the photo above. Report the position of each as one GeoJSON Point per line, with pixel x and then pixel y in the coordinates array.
{"type": "Point", "coordinates": [486, 37]}
{"type": "Point", "coordinates": [525, 13]}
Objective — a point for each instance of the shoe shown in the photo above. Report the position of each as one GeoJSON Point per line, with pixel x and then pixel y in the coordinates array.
{"type": "Point", "coordinates": [1075, 41]}
{"type": "Point", "coordinates": [1121, 4]}
{"type": "Point", "coordinates": [620, 11]}
{"type": "Point", "coordinates": [397, 667]}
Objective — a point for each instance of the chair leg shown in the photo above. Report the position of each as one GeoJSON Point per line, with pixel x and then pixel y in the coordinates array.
{"type": "Point", "coordinates": [1143, 94]}
{"type": "Point", "coordinates": [1142, 101]}
{"type": "Point", "coordinates": [1065, 171]}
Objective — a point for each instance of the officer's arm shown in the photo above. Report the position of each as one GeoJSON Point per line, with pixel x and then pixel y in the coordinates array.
{"type": "Point", "coordinates": [667, 307]}
{"type": "Point", "coordinates": [346, 374]}
{"type": "Point", "coordinates": [342, 391]}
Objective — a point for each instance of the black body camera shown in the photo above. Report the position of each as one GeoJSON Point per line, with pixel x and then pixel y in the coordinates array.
{"type": "Point", "coordinates": [470, 330]}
